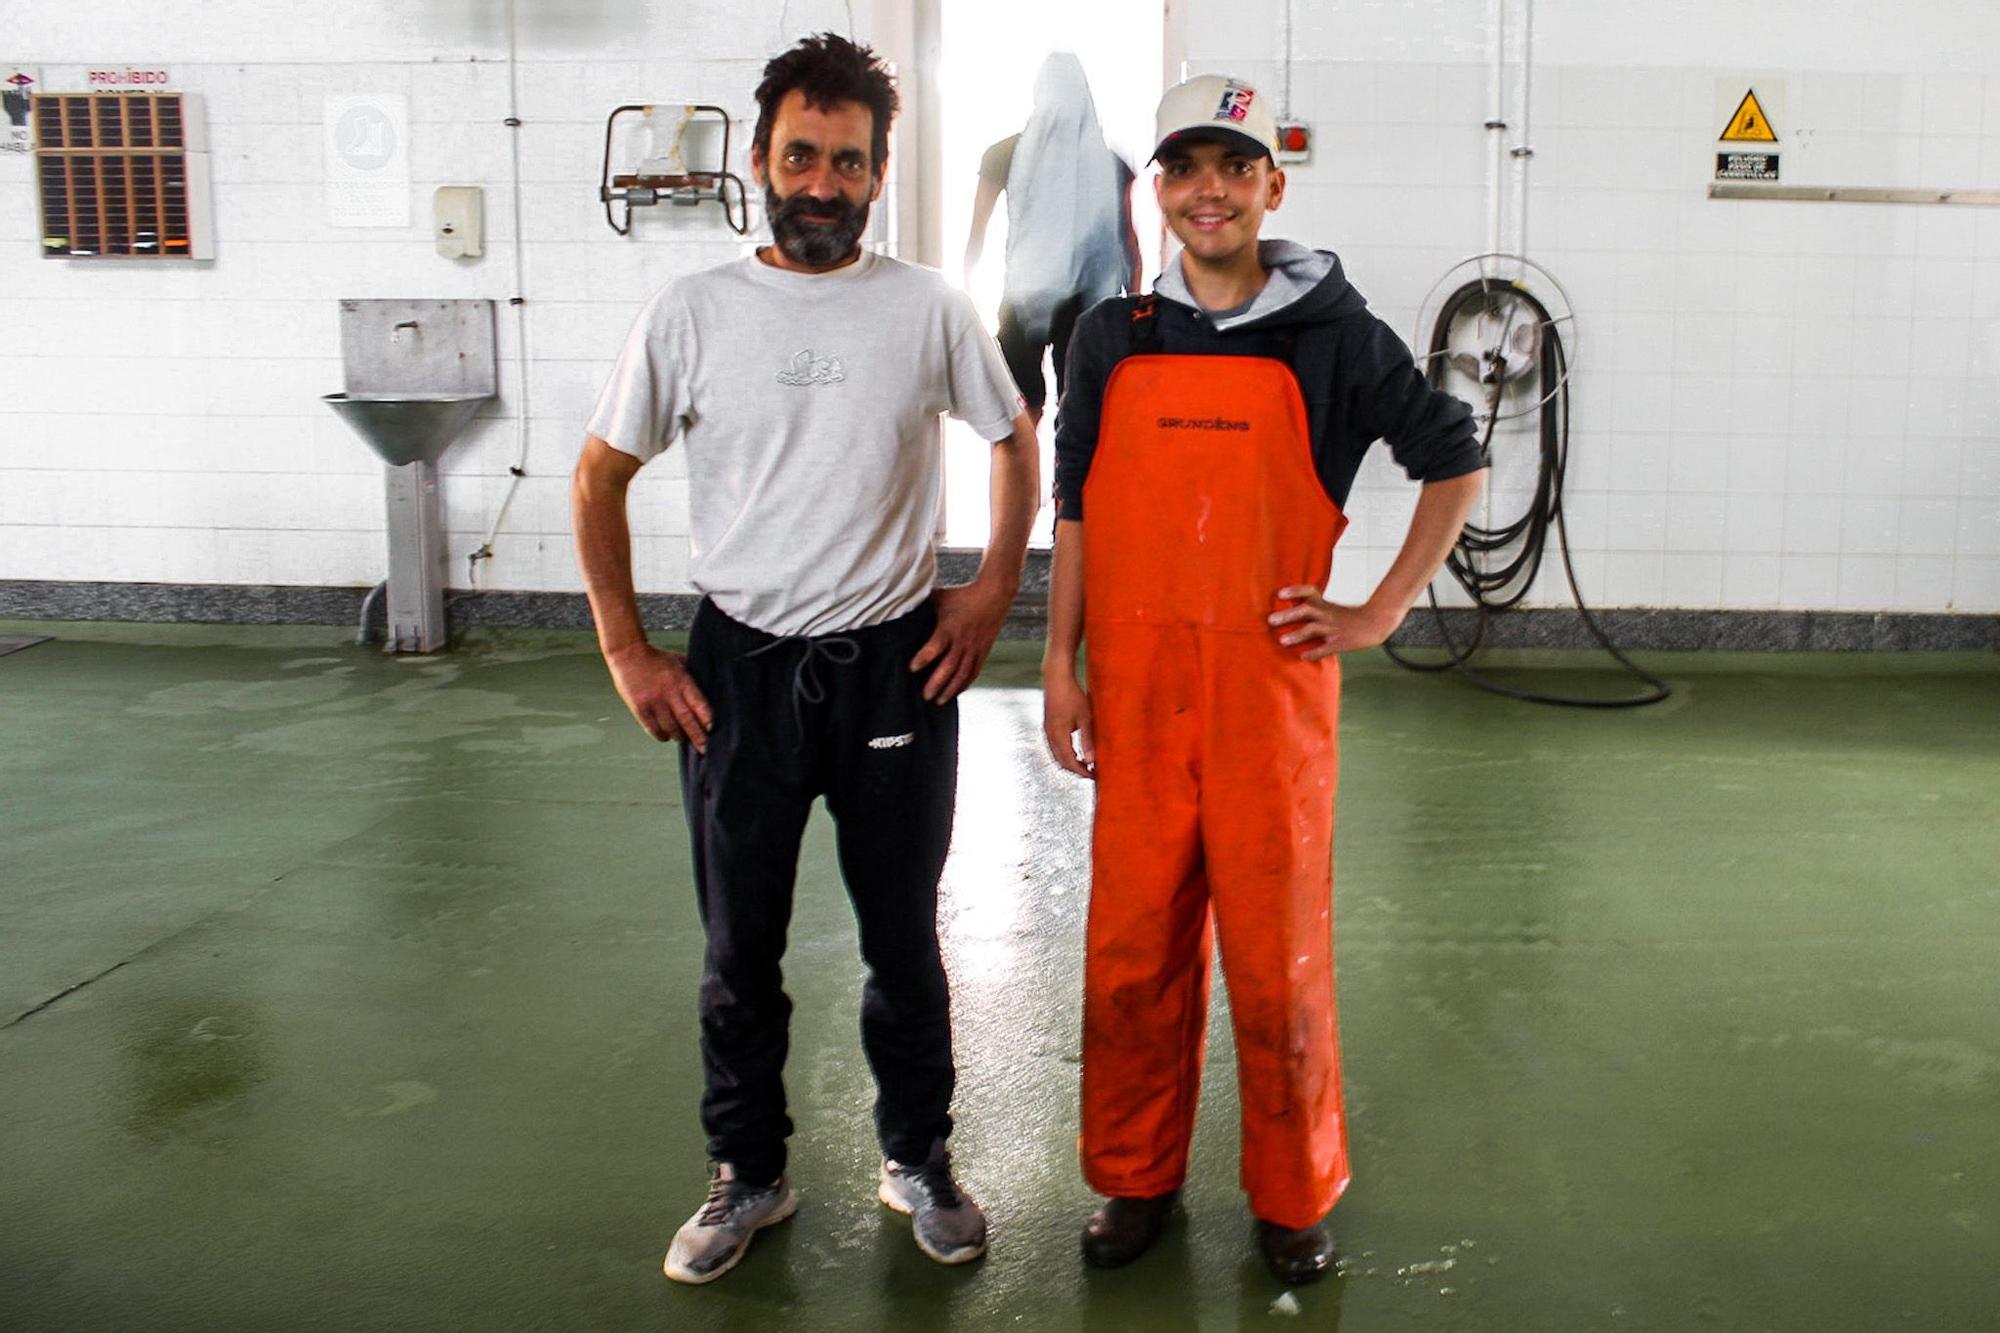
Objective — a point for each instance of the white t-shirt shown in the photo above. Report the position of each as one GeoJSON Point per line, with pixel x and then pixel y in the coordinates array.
{"type": "Point", "coordinates": [809, 405]}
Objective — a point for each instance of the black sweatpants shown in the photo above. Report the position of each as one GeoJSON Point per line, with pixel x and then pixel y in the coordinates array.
{"type": "Point", "coordinates": [841, 716]}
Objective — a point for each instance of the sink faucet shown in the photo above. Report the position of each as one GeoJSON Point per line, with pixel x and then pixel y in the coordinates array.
{"type": "Point", "coordinates": [396, 333]}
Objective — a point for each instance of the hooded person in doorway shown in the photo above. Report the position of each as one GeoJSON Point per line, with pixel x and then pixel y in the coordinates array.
{"type": "Point", "coordinates": [1207, 439]}
{"type": "Point", "coordinates": [1070, 241]}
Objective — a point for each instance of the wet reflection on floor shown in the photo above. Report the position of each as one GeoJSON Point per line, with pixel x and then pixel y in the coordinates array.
{"type": "Point", "coordinates": [349, 993]}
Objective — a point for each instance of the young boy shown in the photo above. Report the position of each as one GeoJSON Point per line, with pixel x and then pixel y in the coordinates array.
{"type": "Point", "coordinates": [1207, 438]}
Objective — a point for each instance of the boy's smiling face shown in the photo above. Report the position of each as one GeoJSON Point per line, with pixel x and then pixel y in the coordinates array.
{"type": "Point", "coordinates": [1214, 198]}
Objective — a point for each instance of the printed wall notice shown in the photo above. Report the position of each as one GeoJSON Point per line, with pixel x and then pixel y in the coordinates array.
{"type": "Point", "coordinates": [1750, 118]}
{"type": "Point", "coordinates": [1746, 166]}
{"type": "Point", "coordinates": [17, 85]}
{"type": "Point", "coordinates": [368, 160]}
{"type": "Point", "coordinates": [129, 79]}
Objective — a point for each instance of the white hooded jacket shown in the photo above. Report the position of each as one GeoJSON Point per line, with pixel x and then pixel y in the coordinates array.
{"type": "Point", "coordinates": [1065, 203]}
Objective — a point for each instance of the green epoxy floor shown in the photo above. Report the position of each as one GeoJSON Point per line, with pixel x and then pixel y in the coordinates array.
{"type": "Point", "coordinates": [376, 1007]}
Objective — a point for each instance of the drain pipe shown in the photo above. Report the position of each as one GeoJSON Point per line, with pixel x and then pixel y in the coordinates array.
{"type": "Point", "coordinates": [519, 301]}
{"type": "Point", "coordinates": [1496, 121]}
{"type": "Point", "coordinates": [362, 637]}
{"type": "Point", "coordinates": [1523, 151]}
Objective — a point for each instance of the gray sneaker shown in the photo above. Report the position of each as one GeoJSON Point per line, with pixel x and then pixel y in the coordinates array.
{"type": "Point", "coordinates": [949, 1226]}
{"type": "Point", "coordinates": [709, 1243]}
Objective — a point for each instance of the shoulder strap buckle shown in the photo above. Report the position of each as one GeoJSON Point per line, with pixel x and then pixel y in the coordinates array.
{"type": "Point", "coordinates": [1146, 324]}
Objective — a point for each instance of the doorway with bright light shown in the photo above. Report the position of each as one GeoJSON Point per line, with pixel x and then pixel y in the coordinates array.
{"type": "Point", "coordinates": [986, 71]}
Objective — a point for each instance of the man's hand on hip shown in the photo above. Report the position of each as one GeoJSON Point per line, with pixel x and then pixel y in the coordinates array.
{"type": "Point", "coordinates": [656, 686]}
{"type": "Point", "coordinates": [969, 620]}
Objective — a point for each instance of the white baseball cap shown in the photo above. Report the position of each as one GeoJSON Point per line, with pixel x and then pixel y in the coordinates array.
{"type": "Point", "coordinates": [1214, 108]}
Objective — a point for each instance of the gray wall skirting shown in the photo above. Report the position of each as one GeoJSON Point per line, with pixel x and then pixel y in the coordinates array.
{"type": "Point", "coordinates": [1549, 627]}
{"type": "Point", "coordinates": [1643, 629]}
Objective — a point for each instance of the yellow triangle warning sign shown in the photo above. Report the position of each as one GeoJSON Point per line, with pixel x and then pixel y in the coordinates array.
{"type": "Point", "coordinates": [1749, 124]}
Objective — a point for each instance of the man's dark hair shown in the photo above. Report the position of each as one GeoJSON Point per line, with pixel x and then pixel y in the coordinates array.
{"type": "Point", "coordinates": [828, 69]}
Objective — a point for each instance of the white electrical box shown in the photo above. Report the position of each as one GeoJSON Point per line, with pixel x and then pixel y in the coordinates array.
{"type": "Point", "coordinates": [458, 214]}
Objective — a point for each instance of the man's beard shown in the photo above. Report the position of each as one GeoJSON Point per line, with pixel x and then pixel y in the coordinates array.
{"type": "Point", "coordinates": [814, 244]}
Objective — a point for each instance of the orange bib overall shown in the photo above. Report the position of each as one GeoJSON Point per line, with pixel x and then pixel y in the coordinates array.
{"type": "Point", "coordinates": [1216, 762]}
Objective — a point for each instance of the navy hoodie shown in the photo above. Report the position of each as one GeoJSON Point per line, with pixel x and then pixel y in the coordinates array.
{"type": "Point", "coordinates": [1359, 381]}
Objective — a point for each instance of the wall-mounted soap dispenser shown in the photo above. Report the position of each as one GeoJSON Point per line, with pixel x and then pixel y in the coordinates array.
{"type": "Point", "coordinates": [458, 221]}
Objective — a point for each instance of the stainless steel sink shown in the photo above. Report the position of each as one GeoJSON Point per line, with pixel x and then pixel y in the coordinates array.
{"type": "Point", "coordinates": [406, 427]}
{"type": "Point", "coordinates": [413, 373]}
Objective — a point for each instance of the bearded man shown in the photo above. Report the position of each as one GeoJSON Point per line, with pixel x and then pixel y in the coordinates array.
{"type": "Point", "coordinates": [805, 383]}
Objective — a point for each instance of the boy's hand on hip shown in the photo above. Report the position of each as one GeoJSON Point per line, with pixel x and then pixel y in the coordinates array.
{"type": "Point", "coordinates": [968, 621]}
{"type": "Point", "coordinates": [656, 686]}
{"type": "Point", "coordinates": [1317, 628]}
{"type": "Point", "coordinates": [1066, 725]}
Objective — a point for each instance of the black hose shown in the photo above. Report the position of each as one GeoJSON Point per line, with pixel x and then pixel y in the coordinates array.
{"type": "Point", "coordinates": [1500, 588]}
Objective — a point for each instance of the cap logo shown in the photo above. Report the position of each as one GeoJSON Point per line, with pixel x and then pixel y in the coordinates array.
{"type": "Point", "coordinates": [1236, 100]}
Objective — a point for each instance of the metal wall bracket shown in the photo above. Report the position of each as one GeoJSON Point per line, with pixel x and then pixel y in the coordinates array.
{"type": "Point", "coordinates": [685, 188]}
{"type": "Point", "coordinates": [1852, 194]}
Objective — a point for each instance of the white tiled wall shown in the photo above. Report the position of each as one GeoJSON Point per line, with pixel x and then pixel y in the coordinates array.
{"type": "Point", "coordinates": [163, 424]}
{"type": "Point", "coordinates": [1775, 404]}
{"type": "Point", "coordinates": [1786, 405]}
